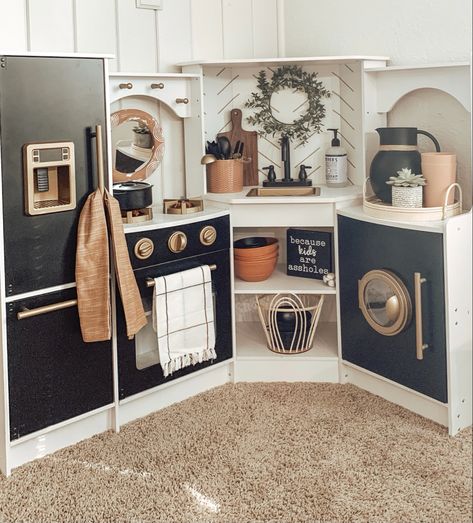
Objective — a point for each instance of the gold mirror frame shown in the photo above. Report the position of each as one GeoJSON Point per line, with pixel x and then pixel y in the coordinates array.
{"type": "Point", "coordinates": [126, 115]}
{"type": "Point", "coordinates": [400, 307]}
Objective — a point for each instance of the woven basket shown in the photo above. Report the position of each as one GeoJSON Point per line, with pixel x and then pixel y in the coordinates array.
{"type": "Point", "coordinates": [225, 176]}
{"type": "Point", "coordinates": [305, 310]}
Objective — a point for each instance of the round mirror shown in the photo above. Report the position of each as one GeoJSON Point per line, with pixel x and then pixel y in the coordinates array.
{"type": "Point", "coordinates": [137, 145]}
{"type": "Point", "coordinates": [288, 105]}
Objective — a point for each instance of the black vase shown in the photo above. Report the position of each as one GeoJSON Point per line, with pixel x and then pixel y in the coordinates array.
{"type": "Point", "coordinates": [398, 150]}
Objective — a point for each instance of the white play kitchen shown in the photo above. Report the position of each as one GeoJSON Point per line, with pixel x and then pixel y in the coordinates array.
{"type": "Point", "coordinates": [314, 241]}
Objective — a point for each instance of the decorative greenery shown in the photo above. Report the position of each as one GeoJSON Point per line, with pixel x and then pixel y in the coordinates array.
{"type": "Point", "coordinates": [405, 178]}
{"type": "Point", "coordinates": [292, 77]}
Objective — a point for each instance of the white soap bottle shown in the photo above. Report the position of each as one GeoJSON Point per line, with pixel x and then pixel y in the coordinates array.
{"type": "Point", "coordinates": [336, 163]}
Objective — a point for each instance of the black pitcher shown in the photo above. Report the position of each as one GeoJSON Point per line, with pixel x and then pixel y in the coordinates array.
{"type": "Point", "coordinates": [398, 150]}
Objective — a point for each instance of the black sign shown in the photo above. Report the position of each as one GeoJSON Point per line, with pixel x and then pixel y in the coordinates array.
{"type": "Point", "coordinates": [309, 253]}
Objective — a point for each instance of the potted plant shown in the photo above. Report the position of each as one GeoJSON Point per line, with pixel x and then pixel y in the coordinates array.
{"type": "Point", "coordinates": [407, 188]}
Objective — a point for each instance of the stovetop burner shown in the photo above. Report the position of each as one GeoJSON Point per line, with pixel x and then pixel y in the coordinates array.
{"type": "Point", "coordinates": [182, 206]}
{"type": "Point", "coordinates": [137, 215]}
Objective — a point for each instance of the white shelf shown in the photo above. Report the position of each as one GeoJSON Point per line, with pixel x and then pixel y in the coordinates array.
{"type": "Point", "coordinates": [279, 281]}
{"type": "Point", "coordinates": [251, 344]}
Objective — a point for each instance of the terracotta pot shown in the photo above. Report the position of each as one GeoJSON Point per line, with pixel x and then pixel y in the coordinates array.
{"type": "Point", "coordinates": [257, 259]}
{"type": "Point", "coordinates": [439, 169]}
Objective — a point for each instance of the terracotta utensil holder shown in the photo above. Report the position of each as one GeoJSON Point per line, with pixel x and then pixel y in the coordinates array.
{"type": "Point", "coordinates": [225, 176]}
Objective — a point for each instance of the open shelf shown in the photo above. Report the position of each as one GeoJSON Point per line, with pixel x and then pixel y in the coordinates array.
{"type": "Point", "coordinates": [251, 343]}
{"type": "Point", "coordinates": [279, 281]}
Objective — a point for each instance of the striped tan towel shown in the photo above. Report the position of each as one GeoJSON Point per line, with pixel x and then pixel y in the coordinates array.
{"type": "Point", "coordinates": [92, 271]}
{"type": "Point", "coordinates": [131, 299]}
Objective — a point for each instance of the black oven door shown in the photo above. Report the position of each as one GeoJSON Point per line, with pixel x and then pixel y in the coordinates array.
{"type": "Point", "coordinates": [138, 360]}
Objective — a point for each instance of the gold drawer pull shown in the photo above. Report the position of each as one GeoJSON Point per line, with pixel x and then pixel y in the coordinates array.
{"type": "Point", "coordinates": [128, 85]}
{"type": "Point", "coordinates": [420, 345]}
{"type": "Point", "coordinates": [29, 313]}
{"type": "Point", "coordinates": [157, 86]}
{"type": "Point", "coordinates": [150, 281]}
{"type": "Point", "coordinates": [182, 100]}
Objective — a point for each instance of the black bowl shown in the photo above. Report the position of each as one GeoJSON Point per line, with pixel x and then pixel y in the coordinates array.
{"type": "Point", "coordinates": [252, 242]}
{"type": "Point", "coordinates": [286, 321]}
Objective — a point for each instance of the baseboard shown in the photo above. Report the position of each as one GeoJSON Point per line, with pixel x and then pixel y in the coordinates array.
{"type": "Point", "coordinates": [395, 393]}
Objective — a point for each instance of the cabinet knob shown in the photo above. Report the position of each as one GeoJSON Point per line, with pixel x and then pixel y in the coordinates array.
{"type": "Point", "coordinates": [177, 242]}
{"type": "Point", "coordinates": [182, 100]}
{"type": "Point", "coordinates": [128, 85]}
{"type": "Point", "coordinates": [208, 235]}
{"type": "Point", "coordinates": [157, 86]}
{"type": "Point", "coordinates": [144, 248]}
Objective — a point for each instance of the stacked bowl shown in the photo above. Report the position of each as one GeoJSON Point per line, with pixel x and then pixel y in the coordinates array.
{"type": "Point", "coordinates": [255, 257]}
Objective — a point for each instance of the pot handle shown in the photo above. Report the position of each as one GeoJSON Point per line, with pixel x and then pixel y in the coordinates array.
{"type": "Point", "coordinates": [432, 137]}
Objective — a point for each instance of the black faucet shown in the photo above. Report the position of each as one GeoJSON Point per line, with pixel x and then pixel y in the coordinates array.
{"type": "Point", "coordinates": [286, 157]}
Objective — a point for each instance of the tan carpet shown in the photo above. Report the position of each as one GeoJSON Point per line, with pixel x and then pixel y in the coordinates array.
{"type": "Point", "coordinates": [255, 453]}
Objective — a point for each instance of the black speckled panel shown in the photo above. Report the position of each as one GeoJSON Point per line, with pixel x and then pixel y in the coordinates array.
{"type": "Point", "coordinates": [53, 374]}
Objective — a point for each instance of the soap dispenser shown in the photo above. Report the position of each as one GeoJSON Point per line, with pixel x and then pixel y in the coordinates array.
{"type": "Point", "coordinates": [336, 163]}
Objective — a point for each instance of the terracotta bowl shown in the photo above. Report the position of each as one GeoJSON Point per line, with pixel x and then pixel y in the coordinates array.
{"type": "Point", "coordinates": [257, 259]}
{"type": "Point", "coordinates": [255, 246]}
{"type": "Point", "coordinates": [255, 271]}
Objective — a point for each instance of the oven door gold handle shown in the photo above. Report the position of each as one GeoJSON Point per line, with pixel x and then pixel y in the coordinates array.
{"type": "Point", "coordinates": [150, 281]}
{"type": "Point", "coordinates": [29, 313]}
{"type": "Point", "coordinates": [420, 345]}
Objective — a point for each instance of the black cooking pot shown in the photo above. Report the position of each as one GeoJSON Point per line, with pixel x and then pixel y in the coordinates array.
{"type": "Point", "coordinates": [133, 195]}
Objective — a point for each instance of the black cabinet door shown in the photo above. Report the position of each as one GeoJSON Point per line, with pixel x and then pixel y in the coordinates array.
{"type": "Point", "coordinates": [46, 100]}
{"type": "Point", "coordinates": [364, 247]}
{"type": "Point", "coordinates": [52, 374]}
{"type": "Point", "coordinates": [133, 380]}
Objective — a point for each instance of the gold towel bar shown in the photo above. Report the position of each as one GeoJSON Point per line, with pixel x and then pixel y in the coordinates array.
{"type": "Point", "coordinates": [150, 281]}
{"type": "Point", "coordinates": [28, 313]}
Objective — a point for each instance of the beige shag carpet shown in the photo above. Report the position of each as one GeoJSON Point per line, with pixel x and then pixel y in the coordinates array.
{"type": "Point", "coordinates": [275, 452]}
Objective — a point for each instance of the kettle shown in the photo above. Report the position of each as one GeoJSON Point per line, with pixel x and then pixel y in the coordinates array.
{"type": "Point", "coordinates": [398, 150]}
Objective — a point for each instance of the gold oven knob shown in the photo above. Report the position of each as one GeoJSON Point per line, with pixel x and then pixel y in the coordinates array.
{"type": "Point", "coordinates": [177, 241]}
{"type": "Point", "coordinates": [208, 235]}
{"type": "Point", "coordinates": [144, 248]}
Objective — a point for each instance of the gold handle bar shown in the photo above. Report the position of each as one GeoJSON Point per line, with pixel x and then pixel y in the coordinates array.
{"type": "Point", "coordinates": [99, 149]}
{"type": "Point", "coordinates": [29, 313]}
{"type": "Point", "coordinates": [150, 281]}
{"type": "Point", "coordinates": [420, 345]}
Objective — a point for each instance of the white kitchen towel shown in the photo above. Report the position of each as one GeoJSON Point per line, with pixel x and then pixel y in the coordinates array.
{"type": "Point", "coordinates": [183, 318]}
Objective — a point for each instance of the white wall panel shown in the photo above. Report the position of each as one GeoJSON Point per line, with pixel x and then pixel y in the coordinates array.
{"type": "Point", "coordinates": [265, 28]}
{"type": "Point", "coordinates": [13, 33]}
{"type": "Point", "coordinates": [237, 28]}
{"type": "Point", "coordinates": [96, 28]}
{"type": "Point", "coordinates": [137, 41]}
{"type": "Point", "coordinates": [51, 25]}
{"type": "Point", "coordinates": [207, 32]}
{"type": "Point", "coordinates": [174, 35]}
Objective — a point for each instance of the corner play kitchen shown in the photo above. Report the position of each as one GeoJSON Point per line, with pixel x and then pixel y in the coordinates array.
{"type": "Point", "coordinates": [299, 249]}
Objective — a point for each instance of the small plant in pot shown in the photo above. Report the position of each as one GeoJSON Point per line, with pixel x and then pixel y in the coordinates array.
{"type": "Point", "coordinates": [142, 136]}
{"type": "Point", "coordinates": [407, 188]}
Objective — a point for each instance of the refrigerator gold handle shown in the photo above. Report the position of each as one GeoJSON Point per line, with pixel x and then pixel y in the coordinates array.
{"type": "Point", "coordinates": [29, 313]}
{"type": "Point", "coordinates": [99, 150]}
{"type": "Point", "coordinates": [420, 345]}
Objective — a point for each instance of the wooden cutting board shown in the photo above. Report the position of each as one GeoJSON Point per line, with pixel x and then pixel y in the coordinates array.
{"type": "Point", "coordinates": [250, 139]}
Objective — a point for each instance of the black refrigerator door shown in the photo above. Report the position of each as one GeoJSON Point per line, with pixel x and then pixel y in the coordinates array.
{"type": "Point", "coordinates": [53, 375]}
{"type": "Point", "coordinates": [46, 100]}
{"type": "Point", "coordinates": [132, 379]}
{"type": "Point", "coordinates": [365, 247]}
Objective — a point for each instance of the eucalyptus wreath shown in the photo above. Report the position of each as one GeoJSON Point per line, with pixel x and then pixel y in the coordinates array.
{"type": "Point", "coordinates": [292, 77]}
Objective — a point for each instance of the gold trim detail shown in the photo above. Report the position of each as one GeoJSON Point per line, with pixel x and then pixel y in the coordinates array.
{"type": "Point", "coordinates": [397, 148]}
{"type": "Point", "coordinates": [398, 306]}
{"type": "Point", "coordinates": [420, 345]}
{"type": "Point", "coordinates": [144, 248]}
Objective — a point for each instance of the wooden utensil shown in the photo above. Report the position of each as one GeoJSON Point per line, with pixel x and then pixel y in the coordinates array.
{"type": "Point", "coordinates": [250, 140]}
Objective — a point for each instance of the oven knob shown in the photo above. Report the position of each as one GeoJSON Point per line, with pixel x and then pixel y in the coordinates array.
{"type": "Point", "coordinates": [144, 248]}
{"type": "Point", "coordinates": [208, 235]}
{"type": "Point", "coordinates": [177, 241]}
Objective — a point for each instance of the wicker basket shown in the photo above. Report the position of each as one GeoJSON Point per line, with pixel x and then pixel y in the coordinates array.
{"type": "Point", "coordinates": [225, 176]}
{"type": "Point", "coordinates": [303, 313]}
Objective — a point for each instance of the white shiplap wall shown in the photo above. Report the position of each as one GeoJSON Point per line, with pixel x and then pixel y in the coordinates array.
{"type": "Point", "coordinates": [145, 40]}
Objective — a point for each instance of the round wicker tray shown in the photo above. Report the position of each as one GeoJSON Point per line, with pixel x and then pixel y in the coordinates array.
{"type": "Point", "coordinates": [378, 209]}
